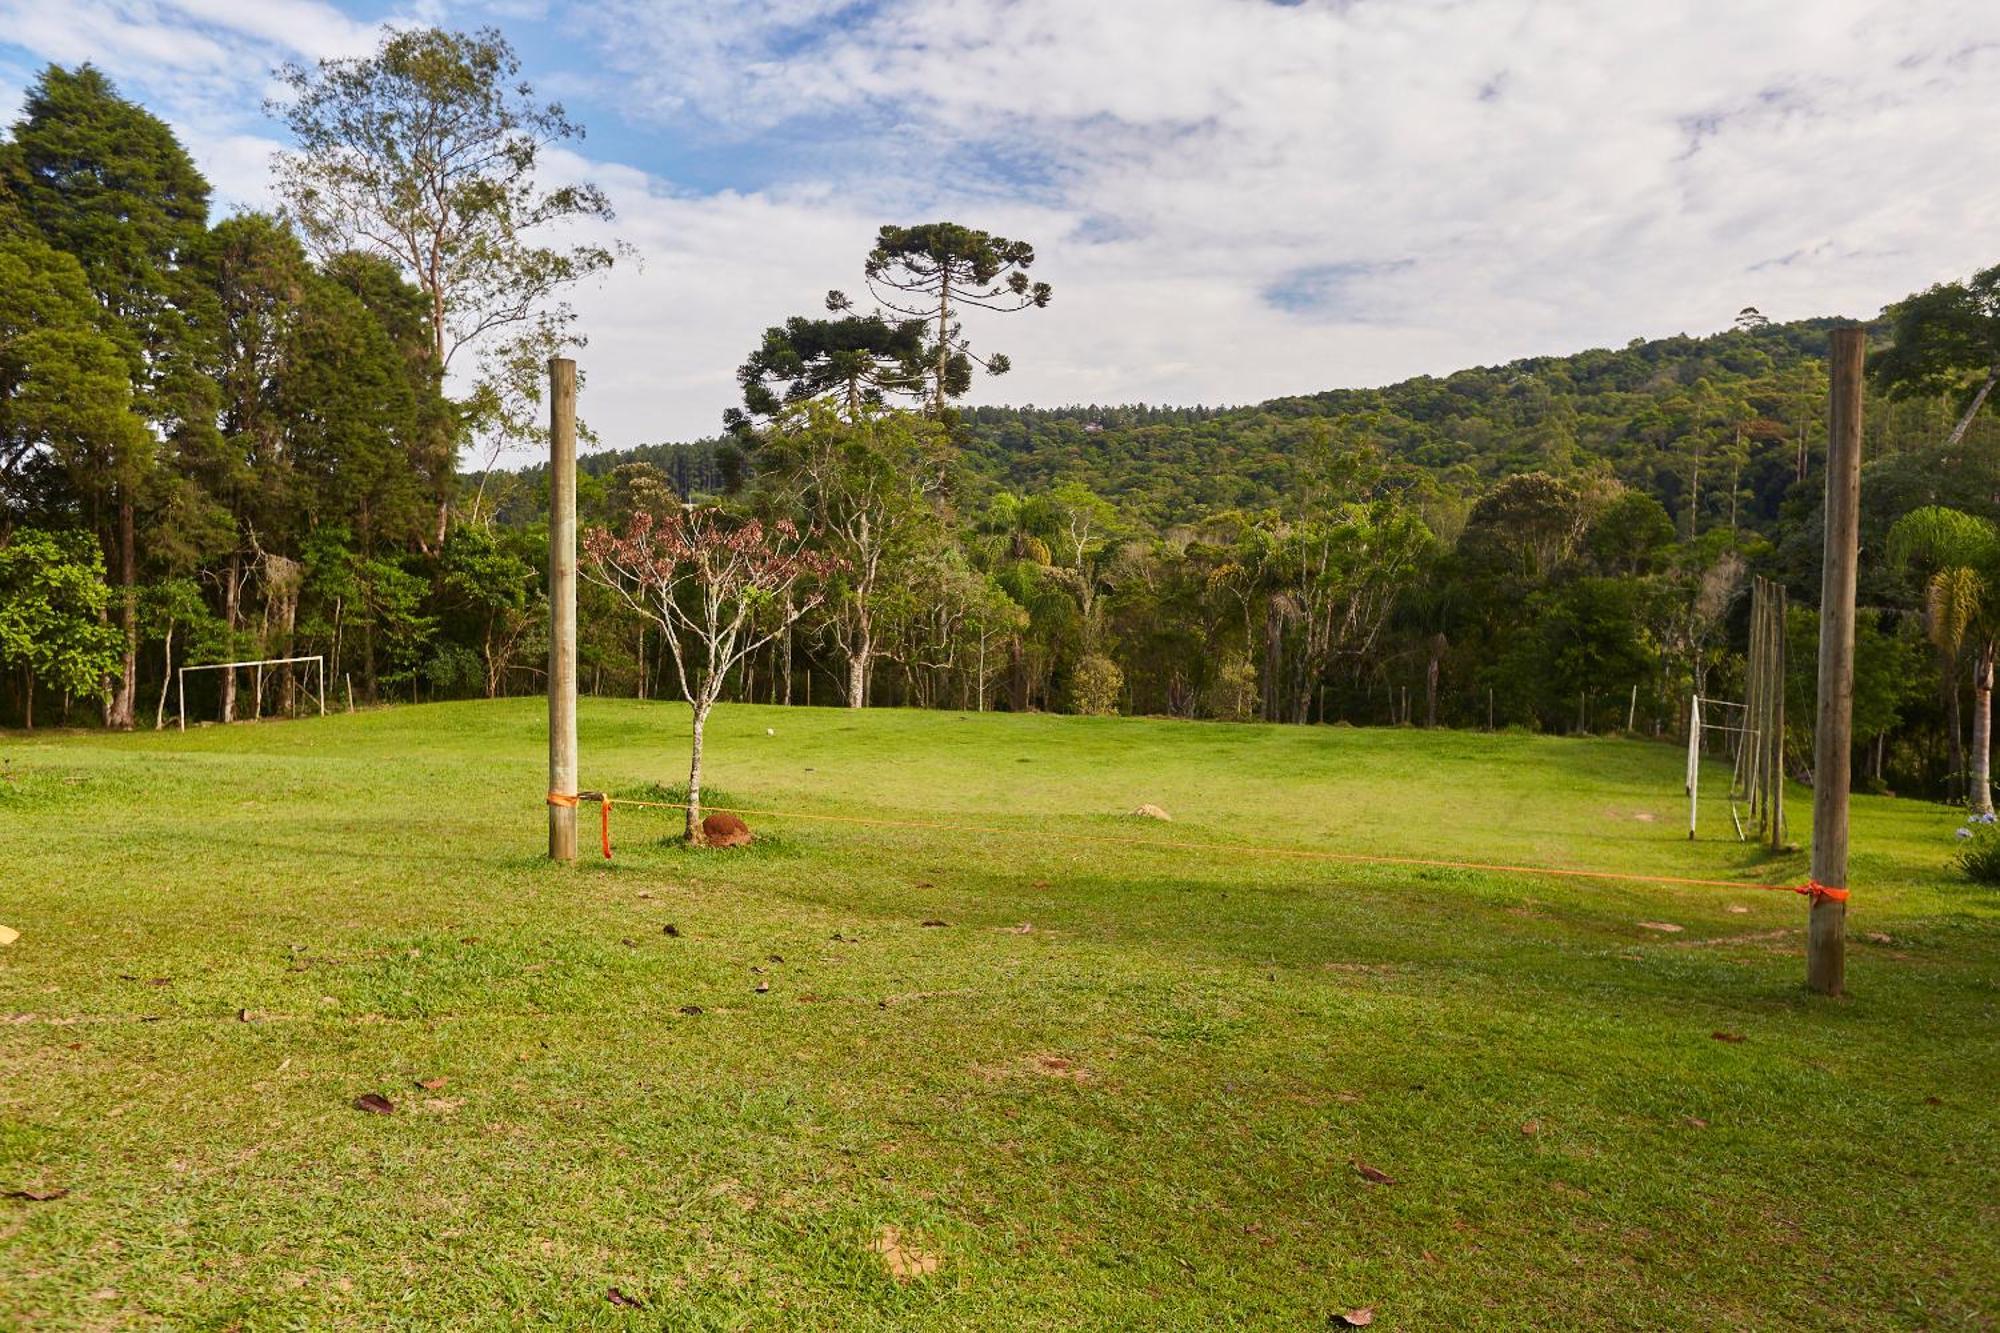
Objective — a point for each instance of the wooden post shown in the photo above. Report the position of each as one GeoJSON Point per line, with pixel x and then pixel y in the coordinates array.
{"type": "Point", "coordinates": [1826, 929]}
{"type": "Point", "coordinates": [562, 607]}
{"type": "Point", "coordinates": [180, 688]}
{"type": "Point", "coordinates": [1779, 667]}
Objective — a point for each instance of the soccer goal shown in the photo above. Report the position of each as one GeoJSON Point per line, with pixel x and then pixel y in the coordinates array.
{"type": "Point", "coordinates": [319, 672]}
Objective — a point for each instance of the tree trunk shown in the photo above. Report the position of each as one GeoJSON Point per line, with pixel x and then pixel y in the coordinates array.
{"type": "Point", "coordinates": [1431, 693]}
{"type": "Point", "coordinates": [1978, 401]}
{"type": "Point", "coordinates": [124, 700]}
{"type": "Point", "coordinates": [28, 698]}
{"type": "Point", "coordinates": [1980, 778]}
{"type": "Point", "coordinates": [694, 775]}
{"type": "Point", "coordinates": [232, 605]}
{"type": "Point", "coordinates": [166, 680]}
{"type": "Point", "coordinates": [1956, 740]}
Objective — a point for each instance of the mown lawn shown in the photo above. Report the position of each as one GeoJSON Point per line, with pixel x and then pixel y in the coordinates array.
{"type": "Point", "coordinates": [1119, 1087]}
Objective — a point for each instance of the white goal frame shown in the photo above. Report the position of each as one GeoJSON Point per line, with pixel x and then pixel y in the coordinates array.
{"type": "Point", "coordinates": [180, 684]}
{"type": "Point", "coordinates": [1697, 725]}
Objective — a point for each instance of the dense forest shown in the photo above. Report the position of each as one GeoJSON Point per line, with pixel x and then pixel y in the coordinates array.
{"type": "Point", "coordinates": [232, 438]}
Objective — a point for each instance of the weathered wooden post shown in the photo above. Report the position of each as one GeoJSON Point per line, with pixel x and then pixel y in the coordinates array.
{"type": "Point", "coordinates": [562, 609]}
{"type": "Point", "coordinates": [1826, 928]}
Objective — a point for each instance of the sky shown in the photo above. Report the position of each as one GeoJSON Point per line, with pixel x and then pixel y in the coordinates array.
{"type": "Point", "coordinates": [1233, 199]}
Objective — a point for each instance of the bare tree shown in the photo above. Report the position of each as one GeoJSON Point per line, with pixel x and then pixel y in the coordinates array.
{"type": "Point", "coordinates": [719, 588]}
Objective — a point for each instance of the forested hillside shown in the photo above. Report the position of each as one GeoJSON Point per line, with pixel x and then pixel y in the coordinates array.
{"type": "Point", "coordinates": [234, 438]}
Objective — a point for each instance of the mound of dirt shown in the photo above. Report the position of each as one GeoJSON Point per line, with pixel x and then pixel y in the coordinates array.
{"type": "Point", "coordinates": [725, 830]}
{"type": "Point", "coordinates": [1152, 812]}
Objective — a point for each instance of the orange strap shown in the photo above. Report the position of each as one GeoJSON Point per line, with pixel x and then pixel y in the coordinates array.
{"type": "Point", "coordinates": [557, 798]}
{"type": "Point", "coordinates": [1815, 890]}
{"type": "Point", "coordinates": [604, 822]}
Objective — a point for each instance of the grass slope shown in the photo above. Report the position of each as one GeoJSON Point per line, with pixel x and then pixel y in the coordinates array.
{"type": "Point", "coordinates": [1142, 1111]}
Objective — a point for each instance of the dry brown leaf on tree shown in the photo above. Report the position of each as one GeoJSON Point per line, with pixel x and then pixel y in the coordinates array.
{"type": "Point", "coordinates": [904, 1263]}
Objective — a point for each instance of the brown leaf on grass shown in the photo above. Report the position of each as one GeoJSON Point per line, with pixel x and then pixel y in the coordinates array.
{"type": "Point", "coordinates": [1737, 908]}
{"type": "Point", "coordinates": [1025, 928]}
{"type": "Point", "coordinates": [1531, 1128]}
{"type": "Point", "coordinates": [671, 931]}
{"type": "Point", "coordinates": [1877, 937]}
{"type": "Point", "coordinates": [1373, 1175]}
{"type": "Point", "coordinates": [643, 893]}
{"type": "Point", "coordinates": [1731, 1037]}
{"type": "Point", "coordinates": [1345, 1096]}
{"type": "Point", "coordinates": [691, 1009]}
{"type": "Point", "coordinates": [1696, 1122]}
{"type": "Point", "coordinates": [161, 981]}
{"type": "Point", "coordinates": [777, 958]}
{"type": "Point", "coordinates": [1360, 1318]}
{"type": "Point", "coordinates": [432, 1084]}
{"type": "Point", "coordinates": [935, 923]}
{"type": "Point", "coordinates": [33, 1195]}
{"type": "Point", "coordinates": [374, 1103]}
{"type": "Point", "coordinates": [1933, 1101]}
{"type": "Point", "coordinates": [1666, 927]}
{"type": "Point", "coordinates": [763, 987]}
{"type": "Point", "coordinates": [619, 1298]}
{"type": "Point", "coordinates": [905, 1264]}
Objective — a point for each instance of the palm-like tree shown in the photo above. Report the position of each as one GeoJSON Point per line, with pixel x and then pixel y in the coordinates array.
{"type": "Point", "coordinates": [1958, 557]}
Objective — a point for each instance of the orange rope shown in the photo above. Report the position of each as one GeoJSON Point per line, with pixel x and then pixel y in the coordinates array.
{"type": "Point", "coordinates": [1812, 888]}
{"type": "Point", "coordinates": [556, 798]}
{"type": "Point", "coordinates": [604, 822]}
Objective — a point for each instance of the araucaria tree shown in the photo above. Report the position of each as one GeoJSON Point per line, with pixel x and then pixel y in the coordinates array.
{"type": "Point", "coordinates": [718, 587]}
{"type": "Point", "coordinates": [934, 271]}
{"type": "Point", "coordinates": [426, 152]}
{"type": "Point", "coordinates": [855, 361]}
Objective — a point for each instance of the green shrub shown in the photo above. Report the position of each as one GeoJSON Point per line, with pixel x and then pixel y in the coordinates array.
{"type": "Point", "coordinates": [1095, 688]}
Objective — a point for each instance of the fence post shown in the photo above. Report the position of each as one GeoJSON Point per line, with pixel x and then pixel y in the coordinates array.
{"type": "Point", "coordinates": [562, 609]}
{"type": "Point", "coordinates": [1826, 927]}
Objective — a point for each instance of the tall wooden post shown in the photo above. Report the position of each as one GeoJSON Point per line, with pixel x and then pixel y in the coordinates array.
{"type": "Point", "coordinates": [562, 609]}
{"type": "Point", "coordinates": [1826, 929]}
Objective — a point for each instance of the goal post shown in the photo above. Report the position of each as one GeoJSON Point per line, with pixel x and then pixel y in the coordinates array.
{"type": "Point", "coordinates": [318, 661]}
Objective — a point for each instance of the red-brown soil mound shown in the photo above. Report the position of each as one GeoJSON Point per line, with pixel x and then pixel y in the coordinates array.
{"type": "Point", "coordinates": [725, 830]}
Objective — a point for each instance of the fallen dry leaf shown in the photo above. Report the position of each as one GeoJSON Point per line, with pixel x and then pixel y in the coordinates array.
{"type": "Point", "coordinates": [1360, 1318]}
{"type": "Point", "coordinates": [1933, 1101]}
{"type": "Point", "coordinates": [39, 1195]}
{"type": "Point", "coordinates": [671, 930]}
{"type": "Point", "coordinates": [1877, 937]}
{"type": "Point", "coordinates": [374, 1103]}
{"type": "Point", "coordinates": [934, 923]}
{"type": "Point", "coordinates": [763, 987]}
{"type": "Point", "coordinates": [1697, 1122]}
{"type": "Point", "coordinates": [904, 1263]}
{"type": "Point", "coordinates": [432, 1084]}
{"type": "Point", "coordinates": [1531, 1128]}
{"type": "Point", "coordinates": [8, 934]}
{"type": "Point", "coordinates": [1374, 1175]}
{"type": "Point", "coordinates": [1731, 1037]}
{"type": "Point", "coordinates": [619, 1298]}
{"type": "Point", "coordinates": [1736, 908]}
{"type": "Point", "coordinates": [1667, 927]}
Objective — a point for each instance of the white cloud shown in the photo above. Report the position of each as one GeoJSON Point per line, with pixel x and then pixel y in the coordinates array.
{"type": "Point", "coordinates": [1233, 199]}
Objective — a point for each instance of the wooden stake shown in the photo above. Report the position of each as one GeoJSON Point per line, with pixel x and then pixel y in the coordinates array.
{"type": "Point", "coordinates": [1826, 930]}
{"type": "Point", "coordinates": [562, 606]}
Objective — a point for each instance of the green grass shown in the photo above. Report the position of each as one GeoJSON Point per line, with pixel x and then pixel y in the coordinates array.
{"type": "Point", "coordinates": [1140, 1112]}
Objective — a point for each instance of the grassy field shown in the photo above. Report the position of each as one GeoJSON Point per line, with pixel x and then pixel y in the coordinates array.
{"type": "Point", "coordinates": [1118, 1086]}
